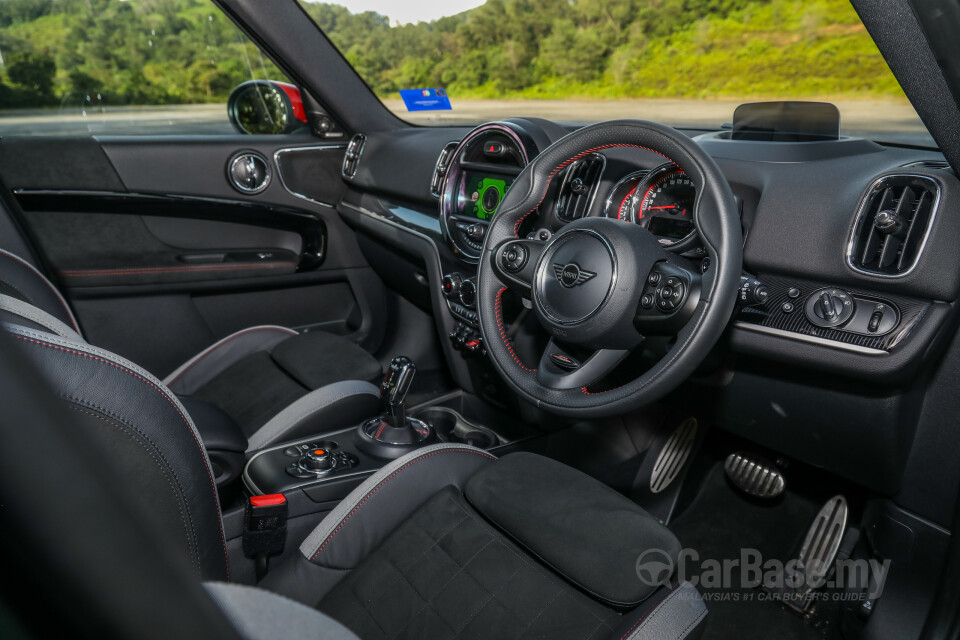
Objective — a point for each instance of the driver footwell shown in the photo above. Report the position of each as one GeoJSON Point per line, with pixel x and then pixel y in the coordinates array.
{"type": "Point", "coordinates": [729, 537]}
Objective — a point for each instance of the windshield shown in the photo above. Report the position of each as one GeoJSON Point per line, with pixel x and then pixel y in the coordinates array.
{"type": "Point", "coordinates": [682, 62]}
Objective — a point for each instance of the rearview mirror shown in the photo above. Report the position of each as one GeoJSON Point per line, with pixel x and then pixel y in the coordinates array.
{"type": "Point", "coordinates": [266, 107]}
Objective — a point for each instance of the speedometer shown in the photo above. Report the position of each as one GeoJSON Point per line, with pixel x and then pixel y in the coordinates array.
{"type": "Point", "coordinates": [661, 200]}
{"type": "Point", "coordinates": [666, 208]}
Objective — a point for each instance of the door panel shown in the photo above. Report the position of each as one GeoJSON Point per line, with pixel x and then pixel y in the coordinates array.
{"type": "Point", "coordinates": [101, 249]}
{"type": "Point", "coordinates": [161, 256]}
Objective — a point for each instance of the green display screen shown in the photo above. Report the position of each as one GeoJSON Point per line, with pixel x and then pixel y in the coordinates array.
{"type": "Point", "coordinates": [483, 194]}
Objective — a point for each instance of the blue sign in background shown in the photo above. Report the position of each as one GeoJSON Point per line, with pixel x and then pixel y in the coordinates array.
{"type": "Point", "coordinates": [425, 99]}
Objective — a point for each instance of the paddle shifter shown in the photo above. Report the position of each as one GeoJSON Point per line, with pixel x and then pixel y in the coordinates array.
{"type": "Point", "coordinates": [393, 433]}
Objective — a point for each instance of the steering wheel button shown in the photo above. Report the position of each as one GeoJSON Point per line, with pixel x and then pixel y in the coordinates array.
{"type": "Point", "coordinates": [646, 301]}
{"type": "Point", "coordinates": [671, 281]}
{"type": "Point", "coordinates": [653, 279]}
{"type": "Point", "coordinates": [665, 293]}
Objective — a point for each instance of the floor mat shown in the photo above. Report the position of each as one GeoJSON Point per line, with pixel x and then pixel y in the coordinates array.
{"type": "Point", "coordinates": [718, 524]}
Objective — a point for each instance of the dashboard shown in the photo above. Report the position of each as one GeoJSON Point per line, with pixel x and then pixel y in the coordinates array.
{"type": "Point", "coordinates": [808, 213]}
{"type": "Point", "coordinates": [849, 293]}
{"type": "Point", "coordinates": [850, 274]}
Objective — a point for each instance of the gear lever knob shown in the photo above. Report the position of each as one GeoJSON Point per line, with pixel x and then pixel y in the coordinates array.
{"type": "Point", "coordinates": [394, 388]}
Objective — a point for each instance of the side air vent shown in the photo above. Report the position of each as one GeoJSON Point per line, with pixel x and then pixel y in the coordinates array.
{"type": "Point", "coordinates": [351, 159]}
{"type": "Point", "coordinates": [580, 183]}
{"type": "Point", "coordinates": [440, 171]}
{"type": "Point", "coordinates": [892, 225]}
{"type": "Point", "coordinates": [929, 164]}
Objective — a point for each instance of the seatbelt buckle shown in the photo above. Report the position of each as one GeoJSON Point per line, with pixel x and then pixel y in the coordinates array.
{"type": "Point", "coordinates": [264, 529]}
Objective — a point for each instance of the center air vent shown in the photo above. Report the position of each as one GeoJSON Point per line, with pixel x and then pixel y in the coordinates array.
{"type": "Point", "coordinates": [440, 171]}
{"type": "Point", "coordinates": [352, 157]}
{"type": "Point", "coordinates": [892, 225]}
{"type": "Point", "coordinates": [580, 182]}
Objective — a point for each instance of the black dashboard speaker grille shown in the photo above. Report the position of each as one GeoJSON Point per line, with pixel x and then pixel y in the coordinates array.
{"type": "Point", "coordinates": [351, 159]}
{"type": "Point", "coordinates": [929, 164]}
{"type": "Point", "coordinates": [580, 183]}
{"type": "Point", "coordinates": [892, 225]}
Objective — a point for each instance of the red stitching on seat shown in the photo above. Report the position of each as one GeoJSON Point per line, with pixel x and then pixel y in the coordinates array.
{"type": "Point", "coordinates": [213, 484]}
{"type": "Point", "coordinates": [648, 612]}
{"type": "Point", "coordinates": [43, 278]}
{"type": "Point", "coordinates": [387, 479]}
{"type": "Point", "coordinates": [217, 345]}
{"type": "Point", "coordinates": [562, 165]}
{"type": "Point", "coordinates": [498, 307]}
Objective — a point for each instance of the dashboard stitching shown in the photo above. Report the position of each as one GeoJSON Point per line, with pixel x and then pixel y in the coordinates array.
{"type": "Point", "coordinates": [568, 161]}
{"type": "Point", "coordinates": [498, 307]}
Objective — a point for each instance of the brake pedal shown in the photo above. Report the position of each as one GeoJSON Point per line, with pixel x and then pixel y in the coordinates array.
{"type": "Point", "coordinates": [676, 450]}
{"type": "Point", "coordinates": [754, 476]}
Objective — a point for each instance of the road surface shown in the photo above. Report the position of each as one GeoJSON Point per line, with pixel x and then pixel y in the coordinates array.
{"type": "Point", "coordinates": [881, 120]}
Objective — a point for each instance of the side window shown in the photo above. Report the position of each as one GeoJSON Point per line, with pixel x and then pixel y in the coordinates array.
{"type": "Point", "coordinates": [140, 67]}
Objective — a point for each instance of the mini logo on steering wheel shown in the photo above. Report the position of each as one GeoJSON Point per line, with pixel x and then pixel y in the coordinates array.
{"type": "Point", "coordinates": [571, 275]}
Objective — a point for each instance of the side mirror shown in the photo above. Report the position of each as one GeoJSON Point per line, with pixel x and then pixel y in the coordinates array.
{"type": "Point", "coordinates": [265, 106]}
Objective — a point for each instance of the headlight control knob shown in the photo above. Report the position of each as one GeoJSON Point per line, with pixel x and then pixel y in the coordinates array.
{"type": "Point", "coordinates": [830, 307]}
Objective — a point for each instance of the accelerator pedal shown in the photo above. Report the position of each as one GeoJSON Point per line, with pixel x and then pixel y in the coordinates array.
{"type": "Point", "coordinates": [817, 556]}
{"type": "Point", "coordinates": [754, 475]}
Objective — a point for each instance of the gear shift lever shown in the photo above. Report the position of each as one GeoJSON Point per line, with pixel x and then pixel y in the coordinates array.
{"type": "Point", "coordinates": [394, 389]}
{"type": "Point", "coordinates": [393, 433]}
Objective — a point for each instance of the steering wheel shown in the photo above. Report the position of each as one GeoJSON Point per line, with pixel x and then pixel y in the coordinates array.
{"type": "Point", "coordinates": [599, 286]}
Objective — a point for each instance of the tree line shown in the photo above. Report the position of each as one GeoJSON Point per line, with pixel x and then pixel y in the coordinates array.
{"type": "Point", "coordinates": [186, 51]}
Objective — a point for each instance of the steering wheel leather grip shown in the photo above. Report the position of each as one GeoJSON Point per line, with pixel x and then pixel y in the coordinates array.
{"type": "Point", "coordinates": [594, 305]}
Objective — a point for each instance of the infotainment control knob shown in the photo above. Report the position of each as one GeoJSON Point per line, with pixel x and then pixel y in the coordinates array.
{"type": "Point", "coordinates": [318, 459]}
{"type": "Point", "coordinates": [451, 284]}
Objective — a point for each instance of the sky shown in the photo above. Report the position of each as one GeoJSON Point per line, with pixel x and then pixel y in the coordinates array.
{"type": "Point", "coordinates": [404, 11]}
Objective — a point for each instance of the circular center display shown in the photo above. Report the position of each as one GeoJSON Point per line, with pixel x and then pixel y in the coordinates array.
{"type": "Point", "coordinates": [575, 277]}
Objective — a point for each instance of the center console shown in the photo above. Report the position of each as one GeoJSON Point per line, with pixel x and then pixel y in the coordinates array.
{"type": "Point", "coordinates": [326, 467]}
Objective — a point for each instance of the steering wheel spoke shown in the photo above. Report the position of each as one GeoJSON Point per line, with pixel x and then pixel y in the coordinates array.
{"type": "Point", "coordinates": [669, 299]}
{"type": "Point", "coordinates": [514, 262]}
{"type": "Point", "coordinates": [559, 369]}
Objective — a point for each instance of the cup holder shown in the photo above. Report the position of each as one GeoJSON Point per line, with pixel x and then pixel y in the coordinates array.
{"type": "Point", "coordinates": [450, 426]}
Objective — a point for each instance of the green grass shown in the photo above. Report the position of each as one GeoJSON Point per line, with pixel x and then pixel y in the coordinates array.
{"type": "Point", "coordinates": [785, 48]}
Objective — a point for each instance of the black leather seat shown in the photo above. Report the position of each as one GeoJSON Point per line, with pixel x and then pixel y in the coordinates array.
{"type": "Point", "coordinates": [254, 387]}
{"type": "Point", "coordinates": [445, 542]}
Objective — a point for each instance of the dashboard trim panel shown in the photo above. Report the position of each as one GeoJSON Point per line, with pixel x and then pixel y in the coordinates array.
{"type": "Point", "coordinates": [823, 342]}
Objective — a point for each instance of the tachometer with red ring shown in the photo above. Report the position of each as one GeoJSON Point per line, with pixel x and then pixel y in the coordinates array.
{"type": "Point", "coordinates": [661, 200]}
